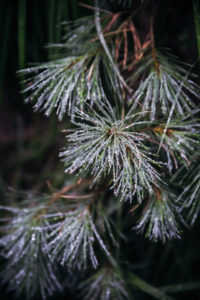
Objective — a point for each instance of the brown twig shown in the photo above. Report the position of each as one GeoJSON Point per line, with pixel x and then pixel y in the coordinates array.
{"type": "Point", "coordinates": [78, 196]}
{"type": "Point", "coordinates": [90, 72]}
{"type": "Point", "coordinates": [136, 39]}
{"type": "Point", "coordinates": [95, 8]}
{"type": "Point", "coordinates": [158, 193]}
{"type": "Point", "coordinates": [109, 33]}
{"type": "Point", "coordinates": [117, 46]}
{"type": "Point", "coordinates": [112, 21]}
{"type": "Point", "coordinates": [125, 47]}
{"type": "Point", "coordinates": [56, 196]}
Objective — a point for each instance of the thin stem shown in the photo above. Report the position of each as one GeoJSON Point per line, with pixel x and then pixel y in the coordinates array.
{"type": "Point", "coordinates": [56, 196]}
{"type": "Point", "coordinates": [181, 287]}
{"type": "Point", "coordinates": [21, 32]}
{"type": "Point", "coordinates": [4, 52]}
{"type": "Point", "coordinates": [115, 32]}
{"type": "Point", "coordinates": [196, 8]}
{"type": "Point", "coordinates": [147, 288]}
{"type": "Point", "coordinates": [74, 9]}
{"type": "Point", "coordinates": [119, 224]}
{"type": "Point", "coordinates": [51, 12]}
{"type": "Point", "coordinates": [66, 189]}
{"type": "Point", "coordinates": [96, 8]}
{"type": "Point", "coordinates": [60, 9]}
{"type": "Point", "coordinates": [78, 196]}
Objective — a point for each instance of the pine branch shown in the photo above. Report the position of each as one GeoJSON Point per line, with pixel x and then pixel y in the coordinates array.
{"type": "Point", "coordinates": [152, 108]}
{"type": "Point", "coordinates": [190, 197]}
{"type": "Point", "coordinates": [105, 284]}
{"type": "Point", "coordinates": [179, 138]}
{"type": "Point", "coordinates": [74, 77]}
{"type": "Point", "coordinates": [160, 218]}
{"type": "Point", "coordinates": [181, 287]}
{"type": "Point", "coordinates": [28, 267]}
{"type": "Point", "coordinates": [159, 82]}
{"type": "Point", "coordinates": [71, 239]}
{"type": "Point", "coordinates": [44, 231]}
{"type": "Point", "coordinates": [103, 145]}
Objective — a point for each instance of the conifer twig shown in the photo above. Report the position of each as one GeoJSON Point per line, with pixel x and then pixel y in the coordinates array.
{"type": "Point", "coordinates": [181, 287]}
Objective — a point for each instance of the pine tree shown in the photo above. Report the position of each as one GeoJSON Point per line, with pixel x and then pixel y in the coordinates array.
{"type": "Point", "coordinates": [132, 156]}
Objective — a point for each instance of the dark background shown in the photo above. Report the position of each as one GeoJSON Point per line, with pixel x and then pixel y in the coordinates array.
{"type": "Point", "coordinates": [29, 142]}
